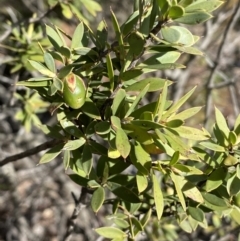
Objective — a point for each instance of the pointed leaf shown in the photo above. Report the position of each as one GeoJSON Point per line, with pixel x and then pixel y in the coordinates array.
{"type": "Point", "coordinates": [194, 18]}
{"type": "Point", "coordinates": [212, 146]}
{"type": "Point", "coordinates": [216, 179]}
{"type": "Point", "coordinates": [75, 144]}
{"type": "Point", "coordinates": [137, 100]}
{"type": "Point", "coordinates": [170, 34]}
{"type": "Point", "coordinates": [87, 160]}
{"type": "Point", "coordinates": [158, 197]}
{"type": "Point", "coordinates": [98, 198]}
{"type": "Point", "coordinates": [221, 122]}
{"type": "Point", "coordinates": [51, 154]}
{"type": "Point", "coordinates": [122, 143]}
{"type": "Point", "coordinates": [176, 182]}
{"type": "Point", "coordinates": [49, 61]}
{"type": "Point", "coordinates": [111, 232]}
{"type": "Point", "coordinates": [42, 69]}
{"type": "Point", "coordinates": [196, 213]}
{"type": "Point", "coordinates": [155, 84]}
{"type": "Point", "coordinates": [208, 6]}
{"type": "Point", "coordinates": [142, 182]}
{"type": "Point", "coordinates": [77, 36]}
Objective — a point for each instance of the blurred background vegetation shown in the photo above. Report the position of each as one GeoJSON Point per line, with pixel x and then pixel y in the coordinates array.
{"type": "Point", "coordinates": [36, 202]}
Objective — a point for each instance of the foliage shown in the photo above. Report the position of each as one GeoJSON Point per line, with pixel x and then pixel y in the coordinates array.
{"type": "Point", "coordinates": [97, 95]}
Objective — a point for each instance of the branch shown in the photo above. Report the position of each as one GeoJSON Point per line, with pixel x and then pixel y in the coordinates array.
{"type": "Point", "coordinates": [30, 152]}
{"type": "Point", "coordinates": [210, 80]}
{"type": "Point", "coordinates": [27, 21]}
{"type": "Point", "coordinates": [79, 204]}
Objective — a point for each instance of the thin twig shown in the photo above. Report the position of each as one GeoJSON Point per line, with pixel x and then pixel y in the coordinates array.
{"type": "Point", "coordinates": [209, 84]}
{"type": "Point", "coordinates": [27, 21]}
{"type": "Point", "coordinates": [30, 152]}
{"type": "Point", "coordinates": [79, 204]}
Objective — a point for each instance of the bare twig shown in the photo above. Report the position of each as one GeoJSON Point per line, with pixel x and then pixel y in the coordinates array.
{"type": "Point", "coordinates": [209, 84]}
{"type": "Point", "coordinates": [30, 152]}
{"type": "Point", "coordinates": [79, 204]}
{"type": "Point", "coordinates": [27, 21]}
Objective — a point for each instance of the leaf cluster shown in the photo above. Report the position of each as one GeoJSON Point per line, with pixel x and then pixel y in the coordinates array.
{"type": "Point", "coordinates": [97, 95]}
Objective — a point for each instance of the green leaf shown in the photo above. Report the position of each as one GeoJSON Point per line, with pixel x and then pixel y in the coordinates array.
{"type": "Point", "coordinates": [170, 34]}
{"type": "Point", "coordinates": [155, 84]}
{"type": "Point", "coordinates": [110, 71]}
{"type": "Point", "coordinates": [52, 131]}
{"type": "Point", "coordinates": [138, 134]}
{"type": "Point", "coordinates": [64, 71]}
{"type": "Point", "coordinates": [90, 109]}
{"type": "Point", "coordinates": [148, 107]}
{"type": "Point", "coordinates": [77, 36]}
{"type": "Point", "coordinates": [51, 154]}
{"type": "Point", "coordinates": [186, 113]}
{"type": "Point", "coordinates": [174, 123]}
{"type": "Point", "coordinates": [131, 74]}
{"type": "Point", "coordinates": [87, 160]}
{"type": "Point", "coordinates": [230, 160]}
{"type": "Point", "coordinates": [142, 182]}
{"type": "Point", "coordinates": [213, 202]}
{"type": "Point", "coordinates": [85, 51]}
{"type": "Point", "coordinates": [103, 169]}
{"type": "Point", "coordinates": [81, 181]}
{"type": "Point", "coordinates": [162, 60]}
{"type": "Point", "coordinates": [71, 128]}
{"type": "Point", "coordinates": [136, 43]}
{"type": "Point", "coordinates": [190, 190]}
{"type": "Point", "coordinates": [194, 18]}
{"type": "Point", "coordinates": [117, 29]}
{"type": "Point", "coordinates": [92, 6]}
{"type": "Point", "coordinates": [137, 100]}
{"type": "Point", "coordinates": [58, 84]}
{"type": "Point", "coordinates": [176, 12]}
{"type": "Point", "coordinates": [115, 122]}
{"type": "Point", "coordinates": [123, 193]}
{"type": "Point", "coordinates": [132, 20]}
{"type": "Point", "coordinates": [212, 146]}
{"type": "Point", "coordinates": [232, 137]}
{"type": "Point", "coordinates": [97, 199]}
{"type": "Point", "coordinates": [174, 158]}
{"type": "Point", "coordinates": [102, 128]}
{"type": "Point", "coordinates": [122, 143]}
{"type": "Point", "coordinates": [147, 125]}
{"type": "Point", "coordinates": [146, 217]}
{"type": "Point", "coordinates": [137, 225]}
{"type": "Point", "coordinates": [158, 197]}
{"type": "Point", "coordinates": [191, 133]}
{"type": "Point", "coordinates": [160, 107]}
{"type": "Point", "coordinates": [216, 179]}
{"type": "Point", "coordinates": [196, 213]}
{"type": "Point", "coordinates": [221, 122]}
{"type": "Point", "coordinates": [66, 159]}
{"type": "Point", "coordinates": [42, 69]}
{"type": "Point", "coordinates": [188, 50]}
{"type": "Point", "coordinates": [178, 104]}
{"type": "Point", "coordinates": [54, 38]}
{"type": "Point", "coordinates": [208, 6]}
{"type": "Point", "coordinates": [75, 144]}
{"type": "Point", "coordinates": [102, 34]}
{"type": "Point", "coordinates": [49, 61]}
{"type": "Point", "coordinates": [186, 37]}
{"type": "Point", "coordinates": [142, 156]}
{"type": "Point", "coordinates": [118, 101]}
{"type": "Point", "coordinates": [233, 186]}
{"type": "Point", "coordinates": [176, 182]}
{"type": "Point", "coordinates": [111, 232]}
{"type": "Point", "coordinates": [43, 83]}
